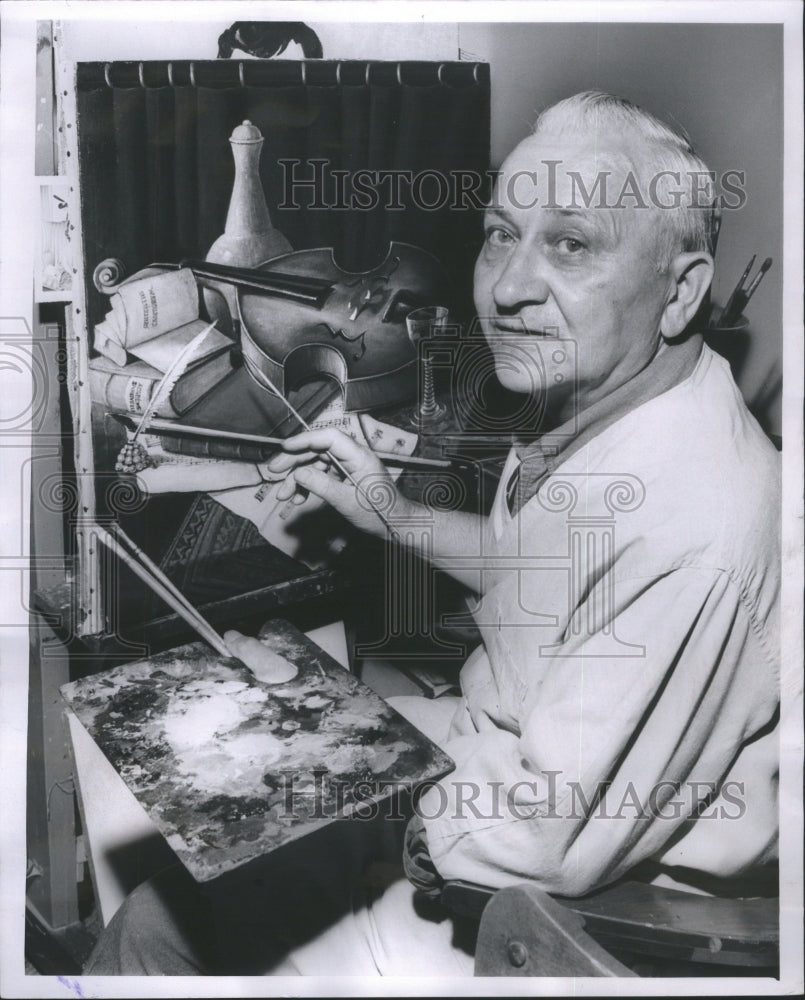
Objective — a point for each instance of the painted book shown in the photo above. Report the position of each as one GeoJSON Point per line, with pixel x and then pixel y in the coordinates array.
{"type": "Point", "coordinates": [128, 389]}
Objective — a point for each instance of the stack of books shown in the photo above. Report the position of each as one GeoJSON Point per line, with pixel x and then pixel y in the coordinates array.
{"type": "Point", "coordinates": [129, 388]}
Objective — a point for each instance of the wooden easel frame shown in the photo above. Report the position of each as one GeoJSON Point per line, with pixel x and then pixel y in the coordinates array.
{"type": "Point", "coordinates": [88, 618]}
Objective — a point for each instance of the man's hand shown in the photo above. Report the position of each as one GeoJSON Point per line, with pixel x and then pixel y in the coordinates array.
{"type": "Point", "coordinates": [307, 457]}
{"type": "Point", "coordinates": [376, 504]}
{"type": "Point", "coordinates": [417, 862]}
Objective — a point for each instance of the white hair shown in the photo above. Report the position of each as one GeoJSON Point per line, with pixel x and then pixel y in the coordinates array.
{"type": "Point", "coordinates": [693, 224]}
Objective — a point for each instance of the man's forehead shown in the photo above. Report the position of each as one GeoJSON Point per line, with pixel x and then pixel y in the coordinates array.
{"type": "Point", "coordinates": [561, 168]}
{"type": "Point", "coordinates": [578, 148]}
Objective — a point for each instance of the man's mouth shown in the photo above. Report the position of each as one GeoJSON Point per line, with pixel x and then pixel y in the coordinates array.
{"type": "Point", "coordinates": [520, 329]}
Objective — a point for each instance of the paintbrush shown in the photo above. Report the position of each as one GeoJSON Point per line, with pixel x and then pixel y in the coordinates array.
{"type": "Point", "coordinates": [750, 291]}
{"type": "Point", "coordinates": [727, 310]}
{"type": "Point", "coordinates": [133, 556]}
{"type": "Point", "coordinates": [738, 303]}
{"type": "Point", "coordinates": [266, 665]}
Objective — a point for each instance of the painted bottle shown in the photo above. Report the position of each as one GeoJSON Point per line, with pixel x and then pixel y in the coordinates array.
{"type": "Point", "coordinates": [249, 238]}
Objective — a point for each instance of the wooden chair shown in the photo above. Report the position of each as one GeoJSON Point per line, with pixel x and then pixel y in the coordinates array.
{"type": "Point", "coordinates": [629, 929]}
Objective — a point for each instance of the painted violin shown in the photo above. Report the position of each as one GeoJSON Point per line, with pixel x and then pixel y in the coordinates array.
{"type": "Point", "coordinates": [302, 315]}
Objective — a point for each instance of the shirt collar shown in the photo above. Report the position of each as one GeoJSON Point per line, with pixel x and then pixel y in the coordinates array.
{"type": "Point", "coordinates": [670, 365]}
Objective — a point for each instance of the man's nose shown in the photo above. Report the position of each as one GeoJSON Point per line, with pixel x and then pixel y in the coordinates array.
{"type": "Point", "coordinates": [521, 282]}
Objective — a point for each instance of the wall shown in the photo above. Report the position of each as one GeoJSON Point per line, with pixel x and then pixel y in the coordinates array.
{"type": "Point", "coordinates": [723, 82]}
{"type": "Point", "coordinates": [198, 39]}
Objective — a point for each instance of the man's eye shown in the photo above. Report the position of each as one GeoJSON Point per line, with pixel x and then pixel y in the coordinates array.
{"type": "Point", "coordinates": [570, 245]}
{"type": "Point", "coordinates": [497, 237]}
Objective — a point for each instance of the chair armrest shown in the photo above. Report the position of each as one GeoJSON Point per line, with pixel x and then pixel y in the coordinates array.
{"type": "Point", "coordinates": [524, 932]}
{"type": "Point", "coordinates": [652, 920]}
{"type": "Point", "coordinates": [663, 922]}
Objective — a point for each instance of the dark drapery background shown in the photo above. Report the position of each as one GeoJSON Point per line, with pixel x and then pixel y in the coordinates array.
{"type": "Point", "coordinates": [157, 169]}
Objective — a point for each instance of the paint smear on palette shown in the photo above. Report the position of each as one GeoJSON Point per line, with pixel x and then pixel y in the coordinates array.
{"type": "Point", "coordinates": [229, 768]}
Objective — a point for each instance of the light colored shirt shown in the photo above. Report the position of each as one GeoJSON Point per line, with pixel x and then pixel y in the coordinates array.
{"type": "Point", "coordinates": [622, 707]}
{"type": "Point", "coordinates": [668, 367]}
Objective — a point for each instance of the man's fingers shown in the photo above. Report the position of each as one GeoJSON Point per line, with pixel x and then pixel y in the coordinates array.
{"type": "Point", "coordinates": [315, 480]}
{"type": "Point", "coordinates": [362, 500]}
{"type": "Point", "coordinates": [287, 487]}
{"type": "Point", "coordinates": [327, 439]}
{"type": "Point", "coordinates": [328, 487]}
{"type": "Point", "coordinates": [281, 463]}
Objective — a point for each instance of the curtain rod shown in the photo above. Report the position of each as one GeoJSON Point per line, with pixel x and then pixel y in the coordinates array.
{"type": "Point", "coordinates": [279, 72]}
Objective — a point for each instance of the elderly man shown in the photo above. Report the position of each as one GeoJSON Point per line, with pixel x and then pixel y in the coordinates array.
{"type": "Point", "coordinates": [620, 714]}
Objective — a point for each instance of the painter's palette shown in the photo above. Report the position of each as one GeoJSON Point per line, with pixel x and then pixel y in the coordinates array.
{"type": "Point", "coordinates": [229, 768]}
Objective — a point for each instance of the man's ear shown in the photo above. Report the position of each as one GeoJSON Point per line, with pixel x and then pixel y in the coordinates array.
{"type": "Point", "coordinates": [690, 275]}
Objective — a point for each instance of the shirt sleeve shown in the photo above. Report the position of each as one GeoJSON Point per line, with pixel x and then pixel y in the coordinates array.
{"type": "Point", "coordinates": [612, 754]}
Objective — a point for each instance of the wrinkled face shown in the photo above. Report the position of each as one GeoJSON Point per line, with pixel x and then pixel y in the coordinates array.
{"type": "Point", "coordinates": [585, 274]}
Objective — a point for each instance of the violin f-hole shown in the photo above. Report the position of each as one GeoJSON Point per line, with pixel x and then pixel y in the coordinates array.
{"type": "Point", "coordinates": [359, 339]}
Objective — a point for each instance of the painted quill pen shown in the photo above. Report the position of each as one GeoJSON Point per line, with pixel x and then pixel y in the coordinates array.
{"type": "Point", "coordinates": [133, 457]}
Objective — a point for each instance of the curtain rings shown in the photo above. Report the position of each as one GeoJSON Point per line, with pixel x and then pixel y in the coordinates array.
{"type": "Point", "coordinates": [107, 70]}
